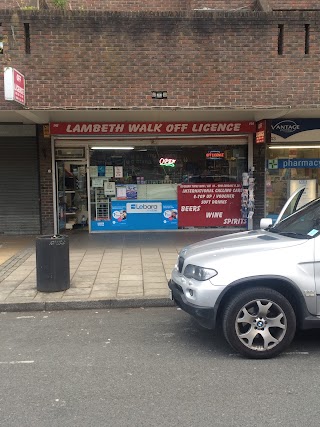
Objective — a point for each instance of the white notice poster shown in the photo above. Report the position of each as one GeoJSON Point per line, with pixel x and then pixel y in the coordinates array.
{"type": "Point", "coordinates": [97, 182]}
{"type": "Point", "coordinates": [109, 172]}
{"type": "Point", "coordinates": [118, 171]}
{"type": "Point", "coordinates": [93, 171]}
{"type": "Point", "coordinates": [109, 188]}
{"type": "Point", "coordinates": [121, 193]}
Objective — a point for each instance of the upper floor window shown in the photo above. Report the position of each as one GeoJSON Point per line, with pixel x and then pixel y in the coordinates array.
{"type": "Point", "coordinates": [280, 39]}
{"type": "Point", "coordinates": [27, 37]}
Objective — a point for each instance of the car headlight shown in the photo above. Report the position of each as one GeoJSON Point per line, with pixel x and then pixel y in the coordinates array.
{"type": "Point", "coordinates": [199, 273]}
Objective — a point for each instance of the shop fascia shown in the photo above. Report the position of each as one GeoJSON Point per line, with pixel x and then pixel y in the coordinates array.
{"type": "Point", "coordinates": [295, 131]}
{"type": "Point", "coordinates": [153, 128]}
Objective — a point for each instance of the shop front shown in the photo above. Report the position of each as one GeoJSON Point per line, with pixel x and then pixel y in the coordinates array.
{"type": "Point", "coordinates": [292, 161]}
{"type": "Point", "coordinates": [152, 176]}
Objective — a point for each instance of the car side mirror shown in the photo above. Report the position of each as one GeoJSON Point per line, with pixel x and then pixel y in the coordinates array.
{"type": "Point", "coordinates": [265, 223]}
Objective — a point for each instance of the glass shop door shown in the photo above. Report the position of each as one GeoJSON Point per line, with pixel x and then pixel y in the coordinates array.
{"type": "Point", "coordinates": [72, 195]}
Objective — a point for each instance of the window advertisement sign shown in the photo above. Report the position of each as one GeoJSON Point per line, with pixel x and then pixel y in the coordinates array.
{"type": "Point", "coordinates": [210, 205]}
{"type": "Point", "coordinates": [101, 171]}
{"type": "Point", "coordinates": [144, 207]}
{"type": "Point", "coordinates": [140, 215]}
{"type": "Point", "coordinates": [170, 214]}
{"type": "Point", "coordinates": [127, 191]}
{"type": "Point", "coordinates": [131, 191]}
{"type": "Point", "coordinates": [119, 214]}
{"type": "Point", "coordinates": [121, 192]}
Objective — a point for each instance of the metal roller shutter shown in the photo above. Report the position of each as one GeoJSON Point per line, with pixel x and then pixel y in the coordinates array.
{"type": "Point", "coordinates": [19, 186]}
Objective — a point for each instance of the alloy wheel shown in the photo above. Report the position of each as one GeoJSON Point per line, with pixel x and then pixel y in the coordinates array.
{"type": "Point", "coordinates": [261, 324]}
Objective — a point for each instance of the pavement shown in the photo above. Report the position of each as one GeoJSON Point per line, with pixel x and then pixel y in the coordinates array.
{"type": "Point", "coordinates": [106, 270]}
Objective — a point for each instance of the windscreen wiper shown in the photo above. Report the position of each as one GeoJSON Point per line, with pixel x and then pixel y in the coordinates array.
{"type": "Point", "coordinates": [294, 235]}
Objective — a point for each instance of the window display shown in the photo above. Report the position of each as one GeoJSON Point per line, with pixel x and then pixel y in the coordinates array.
{"type": "Point", "coordinates": [143, 182]}
{"type": "Point", "coordinates": [288, 169]}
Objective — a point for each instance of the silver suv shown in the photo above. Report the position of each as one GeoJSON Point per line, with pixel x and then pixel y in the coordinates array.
{"type": "Point", "coordinates": [259, 285]}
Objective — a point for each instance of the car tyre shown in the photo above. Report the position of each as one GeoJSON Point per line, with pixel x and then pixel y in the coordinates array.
{"type": "Point", "coordinates": [259, 323]}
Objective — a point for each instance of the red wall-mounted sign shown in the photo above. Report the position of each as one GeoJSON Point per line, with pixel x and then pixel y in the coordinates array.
{"type": "Point", "coordinates": [14, 86]}
{"type": "Point", "coordinates": [261, 132]}
{"type": "Point", "coordinates": [210, 205]}
{"type": "Point", "coordinates": [152, 128]}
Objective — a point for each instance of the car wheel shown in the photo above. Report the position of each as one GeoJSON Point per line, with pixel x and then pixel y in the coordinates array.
{"type": "Point", "coordinates": [259, 323]}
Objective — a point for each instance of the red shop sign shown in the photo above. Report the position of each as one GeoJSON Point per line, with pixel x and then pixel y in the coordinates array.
{"type": "Point", "coordinates": [14, 85]}
{"type": "Point", "coordinates": [261, 132]}
{"type": "Point", "coordinates": [210, 205]}
{"type": "Point", "coordinates": [152, 128]}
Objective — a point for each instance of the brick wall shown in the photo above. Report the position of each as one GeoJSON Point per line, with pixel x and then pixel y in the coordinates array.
{"type": "Point", "coordinates": [136, 5]}
{"type": "Point", "coordinates": [164, 5]}
{"type": "Point", "coordinates": [102, 60]}
{"type": "Point", "coordinates": [46, 197]}
{"type": "Point", "coordinates": [223, 4]}
{"type": "Point", "coordinates": [107, 5]}
{"type": "Point", "coordinates": [294, 4]}
{"type": "Point", "coordinates": [133, 5]}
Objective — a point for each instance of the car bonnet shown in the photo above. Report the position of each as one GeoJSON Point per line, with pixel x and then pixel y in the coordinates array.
{"type": "Point", "coordinates": [239, 243]}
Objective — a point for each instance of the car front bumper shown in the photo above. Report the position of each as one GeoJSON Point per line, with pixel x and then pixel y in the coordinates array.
{"type": "Point", "coordinates": [205, 316]}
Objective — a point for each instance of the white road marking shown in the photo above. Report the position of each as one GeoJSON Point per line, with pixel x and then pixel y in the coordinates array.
{"type": "Point", "coordinates": [17, 362]}
{"type": "Point", "coordinates": [25, 317]}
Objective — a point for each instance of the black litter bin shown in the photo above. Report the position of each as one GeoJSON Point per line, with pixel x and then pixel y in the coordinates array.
{"type": "Point", "coordinates": [52, 261]}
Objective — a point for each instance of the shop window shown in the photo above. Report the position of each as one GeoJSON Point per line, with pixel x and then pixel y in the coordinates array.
{"type": "Point", "coordinates": [153, 173]}
{"type": "Point", "coordinates": [174, 164]}
{"type": "Point", "coordinates": [138, 188]}
{"type": "Point", "coordinates": [287, 170]}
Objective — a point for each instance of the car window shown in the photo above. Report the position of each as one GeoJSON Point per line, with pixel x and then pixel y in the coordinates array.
{"type": "Point", "coordinates": [303, 223]}
{"type": "Point", "coordinates": [291, 204]}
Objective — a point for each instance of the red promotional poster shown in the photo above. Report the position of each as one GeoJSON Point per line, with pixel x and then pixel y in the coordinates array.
{"type": "Point", "coordinates": [210, 205]}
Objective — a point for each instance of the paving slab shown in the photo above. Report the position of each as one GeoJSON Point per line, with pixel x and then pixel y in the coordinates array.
{"type": "Point", "coordinates": [106, 270]}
